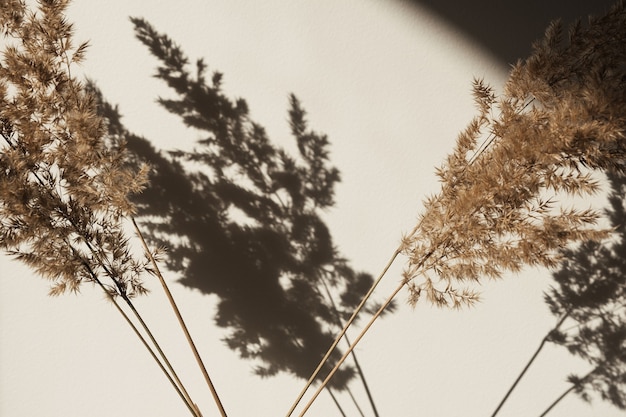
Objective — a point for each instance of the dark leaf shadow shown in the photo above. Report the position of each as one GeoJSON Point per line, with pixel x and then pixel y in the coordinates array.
{"type": "Point", "coordinates": [590, 292]}
{"type": "Point", "coordinates": [242, 220]}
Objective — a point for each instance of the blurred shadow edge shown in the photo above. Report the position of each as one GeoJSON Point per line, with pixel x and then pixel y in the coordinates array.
{"type": "Point", "coordinates": [507, 29]}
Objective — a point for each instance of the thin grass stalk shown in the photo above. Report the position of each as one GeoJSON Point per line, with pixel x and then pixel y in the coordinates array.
{"type": "Point", "coordinates": [352, 346]}
{"type": "Point", "coordinates": [145, 327]}
{"type": "Point", "coordinates": [143, 324]}
{"type": "Point", "coordinates": [97, 254]}
{"type": "Point", "coordinates": [158, 348]}
{"type": "Point", "coordinates": [564, 394]}
{"type": "Point", "coordinates": [558, 400]}
{"type": "Point", "coordinates": [342, 333]}
{"type": "Point", "coordinates": [364, 381]}
{"type": "Point", "coordinates": [139, 318]}
{"type": "Point", "coordinates": [355, 402]}
{"type": "Point", "coordinates": [356, 362]}
{"type": "Point", "coordinates": [179, 389]}
{"type": "Point", "coordinates": [367, 327]}
{"type": "Point", "coordinates": [181, 322]}
{"type": "Point", "coordinates": [330, 392]}
{"type": "Point", "coordinates": [544, 340]}
{"type": "Point", "coordinates": [529, 363]}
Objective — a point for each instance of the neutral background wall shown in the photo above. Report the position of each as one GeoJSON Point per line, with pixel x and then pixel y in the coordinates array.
{"type": "Point", "coordinates": [389, 82]}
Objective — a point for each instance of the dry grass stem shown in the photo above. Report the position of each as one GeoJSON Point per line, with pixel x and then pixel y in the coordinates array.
{"type": "Point", "coordinates": [65, 182]}
{"type": "Point", "coordinates": [181, 322]}
{"type": "Point", "coordinates": [65, 179]}
{"type": "Point", "coordinates": [560, 118]}
{"type": "Point", "coordinates": [341, 335]}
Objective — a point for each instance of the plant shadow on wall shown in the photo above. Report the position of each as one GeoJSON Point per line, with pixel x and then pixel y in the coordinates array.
{"type": "Point", "coordinates": [242, 219]}
{"type": "Point", "coordinates": [588, 299]}
{"type": "Point", "coordinates": [247, 221]}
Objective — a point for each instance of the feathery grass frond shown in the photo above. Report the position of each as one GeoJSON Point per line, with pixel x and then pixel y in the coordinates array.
{"type": "Point", "coordinates": [560, 118]}
{"type": "Point", "coordinates": [64, 182]}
